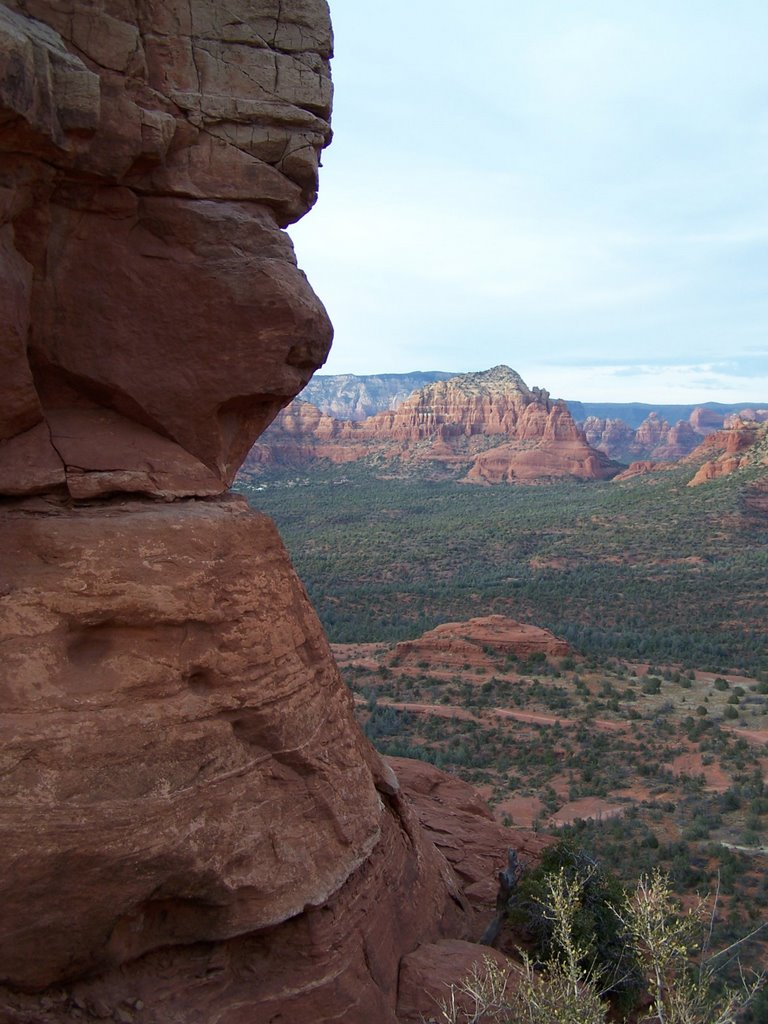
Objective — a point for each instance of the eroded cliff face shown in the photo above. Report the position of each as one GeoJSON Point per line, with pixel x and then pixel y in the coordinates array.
{"type": "Point", "coordinates": [149, 155]}
{"type": "Point", "coordinates": [654, 439]}
{"type": "Point", "coordinates": [194, 827]}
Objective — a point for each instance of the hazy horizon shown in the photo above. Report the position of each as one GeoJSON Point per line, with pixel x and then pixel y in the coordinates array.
{"type": "Point", "coordinates": [577, 193]}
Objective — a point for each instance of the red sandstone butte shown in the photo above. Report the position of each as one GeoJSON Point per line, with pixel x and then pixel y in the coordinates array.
{"type": "Point", "coordinates": [475, 641]}
{"type": "Point", "coordinates": [155, 317]}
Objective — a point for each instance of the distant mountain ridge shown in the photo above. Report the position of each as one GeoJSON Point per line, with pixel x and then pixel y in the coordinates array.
{"type": "Point", "coordinates": [349, 396]}
{"type": "Point", "coordinates": [634, 413]}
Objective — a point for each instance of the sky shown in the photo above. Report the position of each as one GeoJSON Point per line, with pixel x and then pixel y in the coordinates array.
{"type": "Point", "coordinates": [578, 189]}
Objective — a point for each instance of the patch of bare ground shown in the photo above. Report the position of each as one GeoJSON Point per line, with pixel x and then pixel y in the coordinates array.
{"type": "Point", "coordinates": [692, 762]}
{"type": "Point", "coordinates": [586, 809]}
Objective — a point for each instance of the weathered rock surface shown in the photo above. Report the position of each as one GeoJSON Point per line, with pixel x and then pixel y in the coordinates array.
{"type": "Point", "coordinates": [476, 641]}
{"type": "Point", "coordinates": [487, 427]}
{"type": "Point", "coordinates": [612, 436]}
{"type": "Point", "coordinates": [704, 420]}
{"type": "Point", "coordinates": [748, 415]}
{"type": "Point", "coordinates": [149, 156]}
{"type": "Point", "coordinates": [641, 468]}
{"type": "Point", "coordinates": [459, 822]}
{"type": "Point", "coordinates": [355, 397]}
{"type": "Point", "coordinates": [180, 632]}
{"type": "Point", "coordinates": [654, 439]}
{"type": "Point", "coordinates": [182, 767]}
{"type": "Point", "coordinates": [429, 973]}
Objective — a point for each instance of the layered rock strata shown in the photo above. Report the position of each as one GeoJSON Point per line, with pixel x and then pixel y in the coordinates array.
{"type": "Point", "coordinates": [485, 427]}
{"type": "Point", "coordinates": [182, 767]}
{"type": "Point", "coordinates": [653, 440]}
{"type": "Point", "coordinates": [347, 396]}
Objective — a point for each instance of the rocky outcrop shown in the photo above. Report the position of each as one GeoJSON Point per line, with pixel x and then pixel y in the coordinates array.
{"type": "Point", "coordinates": [300, 435]}
{"type": "Point", "coordinates": [611, 436]}
{"type": "Point", "coordinates": [462, 827]}
{"type": "Point", "coordinates": [479, 640]}
{"type": "Point", "coordinates": [148, 158]}
{"type": "Point", "coordinates": [460, 824]}
{"type": "Point", "coordinates": [433, 974]}
{"type": "Point", "coordinates": [749, 415]}
{"type": "Point", "coordinates": [680, 439]}
{"type": "Point", "coordinates": [486, 427]}
{"type": "Point", "coordinates": [641, 468]}
{"type": "Point", "coordinates": [182, 766]}
{"type": "Point", "coordinates": [744, 443]}
{"type": "Point", "coordinates": [704, 420]}
{"type": "Point", "coordinates": [654, 439]}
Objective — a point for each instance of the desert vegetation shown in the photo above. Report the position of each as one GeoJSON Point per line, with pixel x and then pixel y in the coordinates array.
{"type": "Point", "coordinates": [646, 570]}
{"type": "Point", "coordinates": [640, 943]}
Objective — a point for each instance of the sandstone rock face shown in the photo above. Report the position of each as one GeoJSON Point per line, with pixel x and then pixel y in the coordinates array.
{"type": "Point", "coordinates": [641, 468]}
{"type": "Point", "coordinates": [458, 821]}
{"type": "Point", "coordinates": [704, 420]}
{"type": "Point", "coordinates": [429, 973]}
{"type": "Point", "coordinates": [612, 436]}
{"type": "Point", "coordinates": [459, 643]}
{"type": "Point", "coordinates": [679, 441]}
{"type": "Point", "coordinates": [748, 415]}
{"type": "Point", "coordinates": [149, 155]}
{"type": "Point", "coordinates": [182, 767]}
{"type": "Point", "coordinates": [486, 427]}
{"type": "Point", "coordinates": [181, 633]}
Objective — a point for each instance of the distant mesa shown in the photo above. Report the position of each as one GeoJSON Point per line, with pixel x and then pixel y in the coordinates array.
{"type": "Point", "coordinates": [455, 644]}
{"type": "Point", "coordinates": [483, 428]}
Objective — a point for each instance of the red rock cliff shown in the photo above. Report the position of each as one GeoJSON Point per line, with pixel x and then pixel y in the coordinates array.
{"type": "Point", "coordinates": [194, 827]}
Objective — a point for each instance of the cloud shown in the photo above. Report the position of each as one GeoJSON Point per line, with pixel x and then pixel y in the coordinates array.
{"type": "Point", "coordinates": [687, 383]}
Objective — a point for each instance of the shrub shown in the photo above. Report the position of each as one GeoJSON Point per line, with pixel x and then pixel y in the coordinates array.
{"type": "Point", "coordinates": [660, 938]}
{"type": "Point", "coordinates": [595, 921]}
